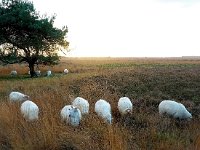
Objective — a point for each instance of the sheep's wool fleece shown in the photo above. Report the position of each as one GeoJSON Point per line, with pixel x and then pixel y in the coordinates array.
{"type": "Point", "coordinates": [65, 112]}
{"type": "Point", "coordinates": [103, 109]}
{"type": "Point", "coordinates": [124, 104]}
{"type": "Point", "coordinates": [81, 104]}
{"type": "Point", "coordinates": [30, 110]}
{"type": "Point", "coordinates": [17, 96]}
{"type": "Point", "coordinates": [172, 108]}
{"type": "Point", "coordinates": [69, 115]}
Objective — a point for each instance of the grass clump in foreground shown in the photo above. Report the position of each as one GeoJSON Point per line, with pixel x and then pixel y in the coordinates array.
{"type": "Point", "coordinates": [145, 86]}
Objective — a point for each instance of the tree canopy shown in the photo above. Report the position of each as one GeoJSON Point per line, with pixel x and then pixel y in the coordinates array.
{"type": "Point", "coordinates": [26, 36]}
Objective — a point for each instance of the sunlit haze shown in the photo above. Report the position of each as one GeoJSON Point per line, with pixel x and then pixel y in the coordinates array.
{"type": "Point", "coordinates": [120, 28]}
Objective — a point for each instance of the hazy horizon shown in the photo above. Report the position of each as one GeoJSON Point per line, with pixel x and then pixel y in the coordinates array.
{"type": "Point", "coordinates": [145, 28]}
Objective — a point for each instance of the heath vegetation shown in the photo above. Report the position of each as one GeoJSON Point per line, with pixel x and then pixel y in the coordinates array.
{"type": "Point", "coordinates": [145, 81]}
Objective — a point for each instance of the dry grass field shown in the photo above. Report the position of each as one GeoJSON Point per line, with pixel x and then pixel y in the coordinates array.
{"type": "Point", "coordinates": [145, 81]}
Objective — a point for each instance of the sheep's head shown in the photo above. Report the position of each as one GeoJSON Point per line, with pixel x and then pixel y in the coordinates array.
{"type": "Point", "coordinates": [128, 111]}
{"type": "Point", "coordinates": [189, 116]}
{"type": "Point", "coordinates": [75, 117]}
{"type": "Point", "coordinates": [109, 118]}
{"type": "Point", "coordinates": [26, 97]}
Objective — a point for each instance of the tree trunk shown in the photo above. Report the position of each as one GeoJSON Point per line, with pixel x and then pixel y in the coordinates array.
{"type": "Point", "coordinates": [31, 67]}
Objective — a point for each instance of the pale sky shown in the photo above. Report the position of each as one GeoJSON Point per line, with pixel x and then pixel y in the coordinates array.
{"type": "Point", "coordinates": [134, 28]}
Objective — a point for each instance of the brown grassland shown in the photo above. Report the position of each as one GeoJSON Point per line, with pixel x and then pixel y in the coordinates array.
{"type": "Point", "coordinates": [145, 81]}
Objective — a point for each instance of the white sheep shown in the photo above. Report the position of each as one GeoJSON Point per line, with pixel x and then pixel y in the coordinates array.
{"type": "Point", "coordinates": [13, 73]}
{"type": "Point", "coordinates": [125, 106]}
{"type": "Point", "coordinates": [75, 117]}
{"type": "Point", "coordinates": [38, 73]}
{"type": "Point", "coordinates": [17, 96]}
{"type": "Point", "coordinates": [174, 109]}
{"type": "Point", "coordinates": [103, 110]}
{"type": "Point", "coordinates": [66, 71]}
{"type": "Point", "coordinates": [29, 110]}
{"type": "Point", "coordinates": [71, 115]}
{"type": "Point", "coordinates": [49, 73]}
{"type": "Point", "coordinates": [65, 113]}
{"type": "Point", "coordinates": [81, 104]}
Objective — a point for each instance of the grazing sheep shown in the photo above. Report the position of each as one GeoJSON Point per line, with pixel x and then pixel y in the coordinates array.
{"type": "Point", "coordinates": [103, 109]}
{"type": "Point", "coordinates": [38, 73]}
{"type": "Point", "coordinates": [125, 106]}
{"type": "Point", "coordinates": [49, 73]}
{"type": "Point", "coordinates": [75, 117]}
{"type": "Point", "coordinates": [13, 73]}
{"type": "Point", "coordinates": [174, 109]}
{"type": "Point", "coordinates": [65, 113]}
{"type": "Point", "coordinates": [71, 115]}
{"type": "Point", "coordinates": [66, 71]}
{"type": "Point", "coordinates": [29, 110]}
{"type": "Point", "coordinates": [17, 96]}
{"type": "Point", "coordinates": [81, 104]}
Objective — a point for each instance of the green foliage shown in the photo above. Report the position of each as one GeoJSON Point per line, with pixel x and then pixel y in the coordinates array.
{"type": "Point", "coordinates": [27, 35]}
{"type": "Point", "coordinates": [11, 57]}
{"type": "Point", "coordinates": [49, 60]}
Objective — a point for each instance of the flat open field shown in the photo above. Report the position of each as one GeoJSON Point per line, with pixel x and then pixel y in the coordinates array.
{"type": "Point", "coordinates": [145, 81]}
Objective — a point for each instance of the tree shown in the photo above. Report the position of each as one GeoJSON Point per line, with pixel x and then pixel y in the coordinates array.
{"type": "Point", "coordinates": [26, 36]}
